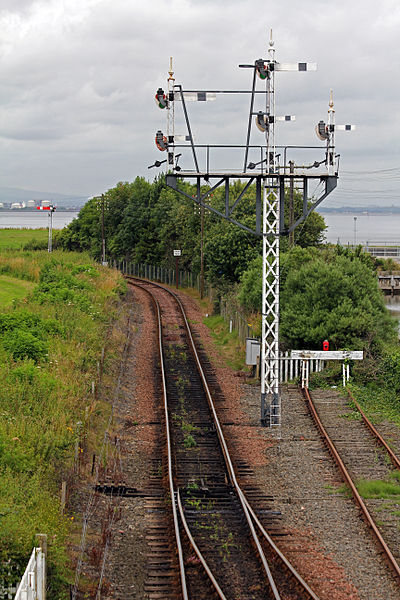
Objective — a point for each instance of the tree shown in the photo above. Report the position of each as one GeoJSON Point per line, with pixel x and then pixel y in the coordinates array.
{"type": "Point", "coordinates": [325, 295]}
{"type": "Point", "coordinates": [337, 298]}
{"type": "Point", "coordinates": [228, 251]}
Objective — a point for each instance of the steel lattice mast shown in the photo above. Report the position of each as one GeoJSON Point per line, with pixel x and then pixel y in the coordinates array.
{"type": "Point", "coordinates": [270, 401]}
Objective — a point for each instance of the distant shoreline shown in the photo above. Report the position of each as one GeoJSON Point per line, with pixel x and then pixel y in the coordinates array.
{"type": "Point", "coordinates": [73, 209]}
{"type": "Point", "coordinates": [363, 210]}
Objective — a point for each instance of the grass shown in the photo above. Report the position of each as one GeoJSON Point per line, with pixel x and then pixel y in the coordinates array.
{"type": "Point", "coordinates": [204, 303]}
{"type": "Point", "coordinates": [378, 488]}
{"type": "Point", "coordinates": [12, 239]}
{"type": "Point", "coordinates": [50, 342]}
{"type": "Point", "coordinates": [378, 402]}
{"type": "Point", "coordinates": [229, 345]}
{"type": "Point", "coordinates": [12, 289]}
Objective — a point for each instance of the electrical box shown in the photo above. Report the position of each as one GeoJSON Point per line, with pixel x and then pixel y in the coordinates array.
{"type": "Point", "coordinates": [253, 347]}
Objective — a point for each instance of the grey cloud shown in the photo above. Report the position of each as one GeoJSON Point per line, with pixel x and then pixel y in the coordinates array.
{"type": "Point", "coordinates": [78, 80]}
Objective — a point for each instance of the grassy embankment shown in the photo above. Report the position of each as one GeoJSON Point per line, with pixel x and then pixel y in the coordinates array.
{"type": "Point", "coordinates": [50, 342]}
{"type": "Point", "coordinates": [16, 239]}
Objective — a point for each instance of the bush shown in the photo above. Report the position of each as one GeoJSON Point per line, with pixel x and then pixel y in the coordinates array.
{"type": "Point", "coordinates": [390, 370]}
{"type": "Point", "coordinates": [22, 344]}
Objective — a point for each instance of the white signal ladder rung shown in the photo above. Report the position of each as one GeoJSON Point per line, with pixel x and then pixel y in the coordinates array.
{"type": "Point", "coordinates": [301, 66]}
{"type": "Point", "coordinates": [196, 96]}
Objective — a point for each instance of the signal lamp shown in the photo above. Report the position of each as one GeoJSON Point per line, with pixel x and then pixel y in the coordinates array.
{"type": "Point", "coordinates": [322, 131]}
{"type": "Point", "coordinates": [161, 99]}
{"type": "Point", "coordinates": [262, 69]}
{"type": "Point", "coordinates": [161, 141]}
{"type": "Point", "coordinates": [262, 121]}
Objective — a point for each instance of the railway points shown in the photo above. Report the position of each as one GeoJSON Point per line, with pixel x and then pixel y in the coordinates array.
{"type": "Point", "coordinates": [203, 481]}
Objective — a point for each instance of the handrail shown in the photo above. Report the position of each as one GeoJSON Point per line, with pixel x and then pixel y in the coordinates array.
{"type": "Point", "coordinates": [33, 582]}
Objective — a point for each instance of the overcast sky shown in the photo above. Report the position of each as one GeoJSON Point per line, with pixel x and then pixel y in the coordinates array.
{"type": "Point", "coordinates": [78, 78]}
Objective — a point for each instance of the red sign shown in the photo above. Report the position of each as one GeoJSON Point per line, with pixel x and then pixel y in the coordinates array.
{"type": "Point", "coordinates": [325, 345]}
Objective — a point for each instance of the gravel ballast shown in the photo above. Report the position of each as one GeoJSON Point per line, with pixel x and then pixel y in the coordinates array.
{"type": "Point", "coordinates": [323, 534]}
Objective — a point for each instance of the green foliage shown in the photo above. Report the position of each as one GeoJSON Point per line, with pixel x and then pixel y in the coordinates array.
{"type": "Point", "coordinates": [377, 488]}
{"type": "Point", "coordinates": [48, 356]}
{"type": "Point", "coordinates": [229, 344]}
{"type": "Point", "coordinates": [229, 250]}
{"type": "Point", "coordinates": [390, 369]}
{"type": "Point", "coordinates": [189, 441]}
{"type": "Point", "coordinates": [334, 297]}
{"type": "Point", "coordinates": [327, 293]}
{"type": "Point", "coordinates": [144, 222]}
{"type": "Point", "coordinates": [250, 291]}
{"type": "Point", "coordinates": [308, 233]}
{"type": "Point", "coordinates": [330, 376]}
{"type": "Point", "coordinates": [22, 344]}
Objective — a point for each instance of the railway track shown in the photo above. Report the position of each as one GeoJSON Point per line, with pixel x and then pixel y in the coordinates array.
{"type": "Point", "coordinates": [223, 550]}
{"type": "Point", "coordinates": [362, 456]}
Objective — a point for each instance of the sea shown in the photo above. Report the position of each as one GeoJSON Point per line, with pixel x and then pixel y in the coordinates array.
{"type": "Point", "coordinates": [20, 219]}
{"type": "Point", "coordinates": [366, 228]}
{"type": "Point", "coordinates": [345, 228]}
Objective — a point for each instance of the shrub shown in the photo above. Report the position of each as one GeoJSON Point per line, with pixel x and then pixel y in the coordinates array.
{"type": "Point", "coordinates": [22, 344]}
{"type": "Point", "coordinates": [390, 369]}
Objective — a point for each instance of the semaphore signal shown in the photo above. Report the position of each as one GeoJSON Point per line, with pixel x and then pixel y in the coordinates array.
{"type": "Point", "coordinates": [51, 209]}
{"type": "Point", "coordinates": [269, 177]}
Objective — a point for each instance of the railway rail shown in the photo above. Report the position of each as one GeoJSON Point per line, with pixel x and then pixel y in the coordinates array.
{"type": "Point", "coordinates": [223, 549]}
{"type": "Point", "coordinates": [356, 456]}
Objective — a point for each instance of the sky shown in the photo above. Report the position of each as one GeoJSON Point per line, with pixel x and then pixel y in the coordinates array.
{"type": "Point", "coordinates": [78, 79]}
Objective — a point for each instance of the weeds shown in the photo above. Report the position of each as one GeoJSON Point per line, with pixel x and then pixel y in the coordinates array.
{"type": "Point", "coordinates": [377, 488]}
{"type": "Point", "coordinates": [50, 343]}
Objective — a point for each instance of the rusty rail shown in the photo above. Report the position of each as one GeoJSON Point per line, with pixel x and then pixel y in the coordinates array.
{"type": "Point", "coordinates": [348, 480]}
{"type": "Point", "coordinates": [395, 460]}
{"type": "Point", "coordinates": [247, 510]}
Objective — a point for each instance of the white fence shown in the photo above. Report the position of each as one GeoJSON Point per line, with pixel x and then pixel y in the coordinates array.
{"type": "Point", "coordinates": [290, 368]}
{"type": "Point", "coordinates": [33, 582]}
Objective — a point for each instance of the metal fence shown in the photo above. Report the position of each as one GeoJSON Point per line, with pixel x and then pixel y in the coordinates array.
{"type": "Point", "coordinates": [33, 582]}
{"type": "Point", "coordinates": [383, 250]}
{"type": "Point", "coordinates": [156, 273]}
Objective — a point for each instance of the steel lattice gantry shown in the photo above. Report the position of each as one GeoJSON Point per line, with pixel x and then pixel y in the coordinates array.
{"type": "Point", "coordinates": [267, 177]}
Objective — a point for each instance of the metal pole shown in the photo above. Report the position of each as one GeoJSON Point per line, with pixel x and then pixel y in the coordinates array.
{"type": "Point", "coordinates": [291, 207]}
{"type": "Point", "coordinates": [50, 243]}
{"type": "Point", "coordinates": [270, 400]}
{"type": "Point", "coordinates": [355, 231]}
{"type": "Point", "coordinates": [103, 241]}
{"type": "Point", "coordinates": [177, 272]}
{"type": "Point", "coordinates": [201, 251]}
